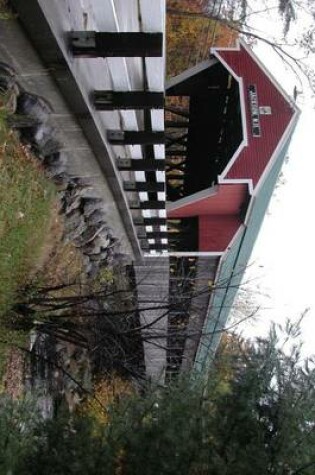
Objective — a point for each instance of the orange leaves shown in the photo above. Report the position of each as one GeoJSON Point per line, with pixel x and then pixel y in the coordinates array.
{"type": "Point", "coordinates": [189, 38]}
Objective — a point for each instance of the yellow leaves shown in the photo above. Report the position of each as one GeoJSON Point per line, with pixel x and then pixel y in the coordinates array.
{"type": "Point", "coordinates": [108, 391]}
{"type": "Point", "coordinates": [189, 38]}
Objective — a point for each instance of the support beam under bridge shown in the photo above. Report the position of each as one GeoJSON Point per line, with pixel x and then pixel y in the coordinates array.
{"type": "Point", "coordinates": [152, 280]}
{"type": "Point", "coordinates": [94, 44]}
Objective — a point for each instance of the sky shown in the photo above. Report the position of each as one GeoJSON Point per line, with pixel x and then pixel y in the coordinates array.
{"type": "Point", "coordinates": [281, 272]}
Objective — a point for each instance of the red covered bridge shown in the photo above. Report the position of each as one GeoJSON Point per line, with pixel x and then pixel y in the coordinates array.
{"type": "Point", "coordinates": [228, 129]}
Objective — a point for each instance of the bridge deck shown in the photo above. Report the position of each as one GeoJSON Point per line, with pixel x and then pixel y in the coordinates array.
{"type": "Point", "coordinates": [48, 24]}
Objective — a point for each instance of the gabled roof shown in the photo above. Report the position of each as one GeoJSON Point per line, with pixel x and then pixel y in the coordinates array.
{"type": "Point", "coordinates": [233, 265]}
{"type": "Point", "coordinates": [253, 159]}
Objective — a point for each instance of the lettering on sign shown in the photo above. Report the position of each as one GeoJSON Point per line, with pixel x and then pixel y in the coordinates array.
{"type": "Point", "coordinates": [254, 110]}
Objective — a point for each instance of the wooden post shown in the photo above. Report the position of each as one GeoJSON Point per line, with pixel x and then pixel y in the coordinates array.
{"type": "Point", "coordinates": [154, 221]}
{"type": "Point", "coordinates": [120, 137]}
{"type": "Point", "coordinates": [157, 235]}
{"type": "Point", "coordinates": [146, 165]}
{"type": "Point", "coordinates": [111, 100]}
{"type": "Point", "coordinates": [143, 186]}
{"type": "Point", "coordinates": [159, 246]}
{"type": "Point", "coordinates": [94, 44]}
{"type": "Point", "coordinates": [136, 204]}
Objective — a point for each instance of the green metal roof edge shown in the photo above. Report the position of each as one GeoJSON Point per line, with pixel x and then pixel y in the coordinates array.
{"type": "Point", "coordinates": [233, 265]}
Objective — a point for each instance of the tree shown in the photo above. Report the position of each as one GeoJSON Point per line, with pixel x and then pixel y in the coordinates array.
{"type": "Point", "coordinates": [267, 414]}
{"type": "Point", "coordinates": [294, 44]}
{"type": "Point", "coordinates": [256, 417]}
{"type": "Point", "coordinates": [255, 413]}
{"type": "Point", "coordinates": [105, 323]}
{"type": "Point", "coordinates": [192, 36]}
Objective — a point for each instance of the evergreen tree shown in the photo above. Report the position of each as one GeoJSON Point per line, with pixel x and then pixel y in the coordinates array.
{"type": "Point", "coordinates": [255, 414]}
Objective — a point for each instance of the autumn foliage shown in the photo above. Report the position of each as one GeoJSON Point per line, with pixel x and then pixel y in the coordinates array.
{"type": "Point", "coordinates": [107, 392]}
{"type": "Point", "coordinates": [190, 38]}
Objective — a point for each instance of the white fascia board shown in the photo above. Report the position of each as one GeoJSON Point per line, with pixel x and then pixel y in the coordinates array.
{"type": "Point", "coordinates": [232, 181]}
{"type": "Point", "coordinates": [195, 197]}
{"type": "Point", "coordinates": [252, 190]}
{"type": "Point", "coordinates": [188, 73]}
{"type": "Point", "coordinates": [194, 254]}
{"type": "Point", "coordinates": [216, 53]}
{"type": "Point", "coordinates": [249, 210]}
{"type": "Point", "coordinates": [244, 142]}
{"type": "Point", "coordinates": [274, 81]}
{"type": "Point", "coordinates": [235, 156]}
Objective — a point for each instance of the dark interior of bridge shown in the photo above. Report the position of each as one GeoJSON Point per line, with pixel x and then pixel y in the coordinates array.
{"type": "Point", "coordinates": [209, 133]}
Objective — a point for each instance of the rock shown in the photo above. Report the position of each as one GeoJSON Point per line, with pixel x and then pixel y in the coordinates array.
{"type": "Point", "coordinates": [54, 159]}
{"type": "Point", "coordinates": [93, 271]}
{"type": "Point", "coordinates": [91, 233]}
{"type": "Point", "coordinates": [96, 246]}
{"type": "Point", "coordinates": [95, 257]}
{"type": "Point", "coordinates": [61, 180]}
{"type": "Point", "coordinates": [45, 141]}
{"type": "Point", "coordinates": [81, 181]}
{"type": "Point", "coordinates": [91, 204]}
{"type": "Point", "coordinates": [75, 233]}
{"type": "Point", "coordinates": [122, 259]}
{"type": "Point", "coordinates": [73, 221]}
{"type": "Point", "coordinates": [71, 203]}
{"type": "Point", "coordinates": [97, 217]}
{"type": "Point", "coordinates": [54, 170]}
{"type": "Point", "coordinates": [34, 106]}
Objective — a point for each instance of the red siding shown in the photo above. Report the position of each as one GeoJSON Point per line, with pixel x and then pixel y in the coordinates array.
{"type": "Point", "coordinates": [253, 159]}
{"type": "Point", "coordinates": [219, 213]}
{"type": "Point", "coordinates": [219, 216]}
{"type": "Point", "coordinates": [228, 199]}
{"type": "Point", "coordinates": [216, 232]}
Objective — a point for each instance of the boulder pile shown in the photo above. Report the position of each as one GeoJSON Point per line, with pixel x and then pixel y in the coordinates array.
{"type": "Point", "coordinates": [81, 206]}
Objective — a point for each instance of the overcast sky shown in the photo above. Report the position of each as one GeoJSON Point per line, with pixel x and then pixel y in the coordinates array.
{"type": "Point", "coordinates": [281, 274]}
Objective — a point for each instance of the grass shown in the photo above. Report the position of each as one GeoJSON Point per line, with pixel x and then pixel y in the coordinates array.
{"type": "Point", "coordinates": [26, 199]}
{"type": "Point", "coordinates": [32, 250]}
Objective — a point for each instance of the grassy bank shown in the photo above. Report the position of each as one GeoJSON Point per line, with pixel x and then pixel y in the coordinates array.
{"type": "Point", "coordinates": [25, 205]}
{"type": "Point", "coordinates": [26, 200]}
